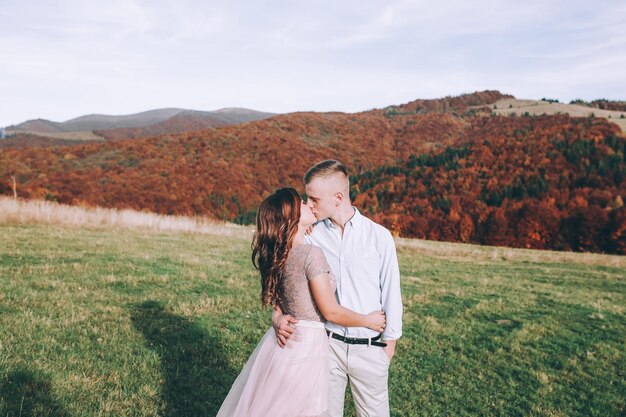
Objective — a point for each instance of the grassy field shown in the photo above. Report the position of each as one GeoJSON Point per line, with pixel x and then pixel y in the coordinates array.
{"type": "Point", "coordinates": [117, 322]}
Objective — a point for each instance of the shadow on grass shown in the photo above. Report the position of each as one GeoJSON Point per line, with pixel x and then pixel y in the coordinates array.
{"type": "Point", "coordinates": [24, 392]}
{"type": "Point", "coordinates": [197, 377]}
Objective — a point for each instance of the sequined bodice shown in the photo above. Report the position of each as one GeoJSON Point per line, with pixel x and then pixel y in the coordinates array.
{"type": "Point", "coordinates": [304, 263]}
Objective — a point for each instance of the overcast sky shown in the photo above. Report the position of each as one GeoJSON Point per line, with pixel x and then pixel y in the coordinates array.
{"type": "Point", "coordinates": [63, 59]}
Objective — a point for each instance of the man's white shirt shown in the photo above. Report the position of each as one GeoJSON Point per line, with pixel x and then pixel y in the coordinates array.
{"type": "Point", "coordinates": [365, 264]}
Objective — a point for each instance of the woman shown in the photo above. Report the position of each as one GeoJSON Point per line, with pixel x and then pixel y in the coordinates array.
{"type": "Point", "coordinates": [291, 381]}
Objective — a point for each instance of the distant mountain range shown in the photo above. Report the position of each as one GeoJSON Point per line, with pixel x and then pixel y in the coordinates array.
{"type": "Point", "coordinates": [185, 121]}
{"type": "Point", "coordinates": [104, 122]}
{"type": "Point", "coordinates": [100, 127]}
{"type": "Point", "coordinates": [96, 122]}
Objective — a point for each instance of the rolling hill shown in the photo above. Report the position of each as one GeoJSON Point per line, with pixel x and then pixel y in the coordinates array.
{"type": "Point", "coordinates": [448, 169]}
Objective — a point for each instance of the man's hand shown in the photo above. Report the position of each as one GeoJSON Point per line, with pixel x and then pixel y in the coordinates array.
{"type": "Point", "coordinates": [390, 349]}
{"type": "Point", "coordinates": [282, 325]}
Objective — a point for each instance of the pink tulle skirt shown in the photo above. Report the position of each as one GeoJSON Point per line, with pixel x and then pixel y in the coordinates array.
{"type": "Point", "coordinates": [283, 382]}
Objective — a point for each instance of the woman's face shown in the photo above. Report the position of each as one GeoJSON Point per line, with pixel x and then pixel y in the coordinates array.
{"type": "Point", "coordinates": [307, 218]}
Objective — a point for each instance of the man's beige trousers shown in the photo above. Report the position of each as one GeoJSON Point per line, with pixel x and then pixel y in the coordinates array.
{"type": "Point", "coordinates": [367, 369]}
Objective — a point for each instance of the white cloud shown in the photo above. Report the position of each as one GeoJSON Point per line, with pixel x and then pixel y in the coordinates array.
{"type": "Point", "coordinates": [66, 58]}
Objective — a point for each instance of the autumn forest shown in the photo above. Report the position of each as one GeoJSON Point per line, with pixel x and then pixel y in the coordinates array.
{"type": "Point", "coordinates": [448, 169]}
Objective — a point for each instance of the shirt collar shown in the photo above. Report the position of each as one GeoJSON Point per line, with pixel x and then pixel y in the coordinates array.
{"type": "Point", "coordinates": [354, 221]}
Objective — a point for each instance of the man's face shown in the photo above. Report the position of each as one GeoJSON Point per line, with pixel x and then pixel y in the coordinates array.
{"type": "Point", "coordinates": [321, 197]}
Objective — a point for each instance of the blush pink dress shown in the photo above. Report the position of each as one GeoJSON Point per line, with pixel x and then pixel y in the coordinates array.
{"type": "Point", "coordinates": [290, 381]}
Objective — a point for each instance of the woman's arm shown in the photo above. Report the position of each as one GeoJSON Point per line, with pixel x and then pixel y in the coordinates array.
{"type": "Point", "coordinates": [324, 297]}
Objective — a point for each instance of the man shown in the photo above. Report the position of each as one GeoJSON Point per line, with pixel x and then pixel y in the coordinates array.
{"type": "Point", "coordinates": [362, 256]}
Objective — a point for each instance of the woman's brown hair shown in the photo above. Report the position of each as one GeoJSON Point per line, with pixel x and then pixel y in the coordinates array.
{"type": "Point", "coordinates": [276, 225]}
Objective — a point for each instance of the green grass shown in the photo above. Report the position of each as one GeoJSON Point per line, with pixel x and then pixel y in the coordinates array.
{"type": "Point", "coordinates": [129, 323]}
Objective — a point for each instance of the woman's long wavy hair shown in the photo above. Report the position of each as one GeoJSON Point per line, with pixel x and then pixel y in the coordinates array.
{"type": "Point", "coordinates": [276, 225]}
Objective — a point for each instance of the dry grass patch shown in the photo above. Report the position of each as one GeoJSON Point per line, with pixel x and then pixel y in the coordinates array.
{"type": "Point", "coordinates": [79, 136]}
{"type": "Point", "coordinates": [45, 212]}
{"type": "Point", "coordinates": [493, 254]}
{"type": "Point", "coordinates": [508, 106]}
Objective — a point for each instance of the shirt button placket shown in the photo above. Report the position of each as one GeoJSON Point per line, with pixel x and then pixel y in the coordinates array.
{"type": "Point", "coordinates": [342, 264]}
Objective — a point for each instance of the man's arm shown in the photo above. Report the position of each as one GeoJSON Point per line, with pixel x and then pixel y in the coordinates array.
{"type": "Point", "coordinates": [282, 326]}
{"type": "Point", "coordinates": [391, 298]}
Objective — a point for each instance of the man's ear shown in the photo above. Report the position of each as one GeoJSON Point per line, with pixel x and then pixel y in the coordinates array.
{"type": "Point", "coordinates": [338, 198]}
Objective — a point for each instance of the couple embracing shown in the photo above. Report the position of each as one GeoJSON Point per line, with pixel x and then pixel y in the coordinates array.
{"type": "Point", "coordinates": [337, 305]}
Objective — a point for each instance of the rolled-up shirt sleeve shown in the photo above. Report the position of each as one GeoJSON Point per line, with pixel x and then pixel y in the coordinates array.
{"type": "Point", "coordinates": [391, 297]}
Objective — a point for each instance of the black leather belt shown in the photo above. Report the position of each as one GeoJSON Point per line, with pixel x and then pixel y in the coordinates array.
{"type": "Point", "coordinates": [357, 341]}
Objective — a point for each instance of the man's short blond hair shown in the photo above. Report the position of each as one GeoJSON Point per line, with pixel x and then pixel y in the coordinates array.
{"type": "Point", "coordinates": [325, 169]}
